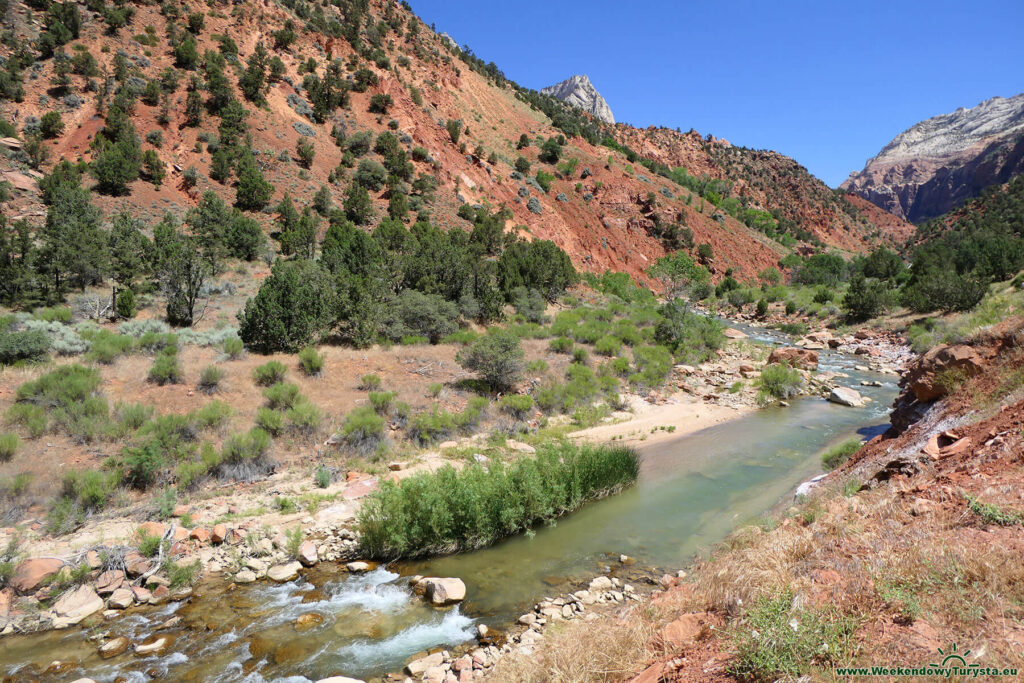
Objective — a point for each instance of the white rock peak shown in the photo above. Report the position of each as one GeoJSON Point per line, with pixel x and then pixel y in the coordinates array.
{"type": "Point", "coordinates": [579, 92]}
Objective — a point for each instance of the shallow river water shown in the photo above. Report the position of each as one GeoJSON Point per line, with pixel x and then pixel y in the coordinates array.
{"type": "Point", "coordinates": [691, 493]}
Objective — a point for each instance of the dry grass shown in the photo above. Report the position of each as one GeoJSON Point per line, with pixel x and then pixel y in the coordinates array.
{"type": "Point", "coordinates": [609, 648]}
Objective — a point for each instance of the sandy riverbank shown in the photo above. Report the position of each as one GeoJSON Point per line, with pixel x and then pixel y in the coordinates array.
{"type": "Point", "coordinates": [649, 424]}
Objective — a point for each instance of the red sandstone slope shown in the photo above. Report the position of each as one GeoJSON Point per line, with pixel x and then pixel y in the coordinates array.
{"type": "Point", "coordinates": [603, 221]}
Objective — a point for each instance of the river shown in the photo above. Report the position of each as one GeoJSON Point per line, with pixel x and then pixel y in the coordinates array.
{"type": "Point", "coordinates": [692, 491]}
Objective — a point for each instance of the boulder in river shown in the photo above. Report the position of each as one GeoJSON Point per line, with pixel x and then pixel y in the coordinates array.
{"type": "Point", "coordinates": [846, 396]}
{"type": "Point", "coordinates": [114, 647]}
{"type": "Point", "coordinates": [284, 572]}
{"type": "Point", "coordinates": [443, 591]}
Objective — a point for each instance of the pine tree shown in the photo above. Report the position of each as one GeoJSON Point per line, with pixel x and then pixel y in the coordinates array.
{"type": "Point", "coordinates": [253, 191]}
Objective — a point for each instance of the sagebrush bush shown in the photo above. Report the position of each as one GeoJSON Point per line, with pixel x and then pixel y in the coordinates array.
{"type": "Point", "coordinates": [282, 396]}
{"type": "Point", "coordinates": [233, 347]}
{"type": "Point", "coordinates": [269, 373]}
{"type": "Point", "coordinates": [561, 345]}
{"type": "Point", "coordinates": [369, 382]}
{"type": "Point", "coordinates": [382, 401]}
{"type": "Point", "coordinates": [105, 346]}
{"type": "Point", "coordinates": [304, 417]}
{"type": "Point", "coordinates": [449, 510]}
{"type": "Point", "coordinates": [31, 417]}
{"type": "Point", "coordinates": [519, 406]}
{"type": "Point", "coordinates": [210, 378]}
{"type": "Point", "coordinates": [271, 421]}
{"type": "Point", "coordinates": [166, 368]}
{"type": "Point", "coordinates": [363, 430]}
{"type": "Point", "coordinates": [311, 362]}
{"type": "Point", "coordinates": [140, 328]}
{"type": "Point", "coordinates": [9, 445]}
{"type": "Point", "coordinates": [244, 456]}
{"type": "Point", "coordinates": [212, 415]}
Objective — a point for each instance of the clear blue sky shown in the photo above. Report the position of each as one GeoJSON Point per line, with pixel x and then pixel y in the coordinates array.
{"type": "Point", "coordinates": [827, 82]}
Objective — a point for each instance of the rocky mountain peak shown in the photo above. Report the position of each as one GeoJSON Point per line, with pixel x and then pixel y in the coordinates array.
{"type": "Point", "coordinates": [580, 92]}
{"type": "Point", "coordinates": [937, 164]}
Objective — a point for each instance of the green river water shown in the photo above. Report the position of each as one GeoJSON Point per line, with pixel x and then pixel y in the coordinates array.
{"type": "Point", "coordinates": [691, 493]}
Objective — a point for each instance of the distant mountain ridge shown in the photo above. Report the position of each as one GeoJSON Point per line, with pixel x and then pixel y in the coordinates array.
{"type": "Point", "coordinates": [936, 165]}
{"type": "Point", "coordinates": [581, 93]}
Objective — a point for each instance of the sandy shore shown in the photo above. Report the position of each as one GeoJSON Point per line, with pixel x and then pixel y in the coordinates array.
{"type": "Point", "coordinates": [645, 425]}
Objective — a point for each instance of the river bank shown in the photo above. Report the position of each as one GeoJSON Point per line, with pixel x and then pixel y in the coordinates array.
{"type": "Point", "coordinates": [258, 538]}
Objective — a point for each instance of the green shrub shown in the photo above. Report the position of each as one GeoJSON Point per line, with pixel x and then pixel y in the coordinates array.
{"type": "Point", "coordinates": [778, 381]}
{"type": "Point", "coordinates": [652, 366]}
{"type": "Point", "coordinates": [60, 314]}
{"type": "Point", "coordinates": [470, 417]}
{"type": "Point", "coordinates": [497, 357]}
{"type": "Point", "coordinates": [382, 401]}
{"type": "Point", "coordinates": [322, 477]}
{"type": "Point", "coordinates": [462, 337]}
{"type": "Point", "coordinates": [692, 338]}
{"type": "Point", "coordinates": [269, 373]}
{"type": "Point", "coordinates": [837, 455]}
{"type": "Point", "coordinates": [124, 304]}
{"type": "Point", "coordinates": [363, 430]}
{"type": "Point", "coordinates": [210, 378]}
{"type": "Point", "coordinates": [427, 428]}
{"type": "Point", "coordinates": [579, 355]}
{"type": "Point", "coordinates": [148, 544]}
{"type": "Point", "coordinates": [449, 510]}
{"type": "Point", "coordinates": [31, 417]}
{"type": "Point", "coordinates": [519, 406]}
{"type": "Point", "coordinates": [608, 346]}
{"type": "Point", "coordinates": [311, 362]}
{"type": "Point", "coordinates": [369, 382]}
{"type": "Point", "coordinates": [131, 417]}
{"type": "Point", "coordinates": [271, 421]}
{"type": "Point", "coordinates": [281, 396]}
{"type": "Point", "coordinates": [304, 417]}
{"type": "Point", "coordinates": [434, 389]}
{"type": "Point", "coordinates": [537, 366]}
{"type": "Point", "coordinates": [233, 348]}
{"type": "Point", "coordinates": [166, 368]}
{"type": "Point", "coordinates": [24, 345]}
{"type": "Point", "coordinates": [105, 346]}
{"type": "Point", "coordinates": [561, 345]}
{"type": "Point", "coordinates": [212, 415]}
{"type": "Point", "coordinates": [775, 640]}
{"type": "Point", "coordinates": [244, 456]}
{"type": "Point", "coordinates": [182, 574]}
{"type": "Point", "coordinates": [62, 387]}
{"type": "Point", "coordinates": [9, 444]}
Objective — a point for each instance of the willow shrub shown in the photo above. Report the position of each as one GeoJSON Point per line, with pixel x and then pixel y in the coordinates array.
{"type": "Point", "coordinates": [455, 510]}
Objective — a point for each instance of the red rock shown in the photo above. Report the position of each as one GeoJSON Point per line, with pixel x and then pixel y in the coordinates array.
{"type": "Point", "coordinates": [651, 674]}
{"type": "Point", "coordinates": [794, 356]}
{"type": "Point", "coordinates": [181, 510]}
{"type": "Point", "coordinates": [6, 600]}
{"type": "Point", "coordinates": [180, 534]}
{"type": "Point", "coordinates": [135, 564]}
{"type": "Point", "coordinates": [359, 489]}
{"type": "Point", "coordinates": [731, 333]}
{"type": "Point", "coordinates": [142, 595]}
{"type": "Point", "coordinates": [151, 529]}
{"type": "Point", "coordinates": [958, 447]}
{"type": "Point", "coordinates": [218, 534]}
{"type": "Point", "coordinates": [686, 630]}
{"type": "Point", "coordinates": [160, 595]}
{"type": "Point", "coordinates": [200, 534]}
{"type": "Point", "coordinates": [924, 376]}
{"type": "Point", "coordinates": [109, 581]}
{"type": "Point", "coordinates": [29, 575]}
{"type": "Point", "coordinates": [234, 537]}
